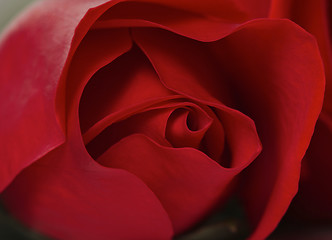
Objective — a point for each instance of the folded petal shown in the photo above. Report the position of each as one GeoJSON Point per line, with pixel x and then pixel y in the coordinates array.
{"type": "Point", "coordinates": [315, 17]}
{"type": "Point", "coordinates": [226, 9]}
{"type": "Point", "coordinates": [312, 204]}
{"type": "Point", "coordinates": [274, 70]}
{"type": "Point", "coordinates": [180, 21]}
{"type": "Point", "coordinates": [66, 200]}
{"type": "Point", "coordinates": [188, 68]}
{"type": "Point", "coordinates": [187, 182]}
{"type": "Point", "coordinates": [126, 85]}
{"type": "Point", "coordinates": [34, 55]}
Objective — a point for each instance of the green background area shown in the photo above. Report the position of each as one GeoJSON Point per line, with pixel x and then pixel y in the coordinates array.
{"type": "Point", "coordinates": [9, 10]}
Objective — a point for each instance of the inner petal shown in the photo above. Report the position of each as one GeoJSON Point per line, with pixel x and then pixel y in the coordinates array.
{"type": "Point", "coordinates": [186, 127]}
{"type": "Point", "coordinates": [184, 65]}
{"type": "Point", "coordinates": [151, 123]}
{"type": "Point", "coordinates": [188, 67]}
{"type": "Point", "coordinates": [127, 82]}
{"type": "Point", "coordinates": [187, 183]}
{"type": "Point", "coordinates": [183, 22]}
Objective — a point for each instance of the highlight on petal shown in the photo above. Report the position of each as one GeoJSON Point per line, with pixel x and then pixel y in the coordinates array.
{"type": "Point", "coordinates": [35, 49]}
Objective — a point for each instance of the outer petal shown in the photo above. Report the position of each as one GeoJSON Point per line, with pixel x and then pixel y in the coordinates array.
{"type": "Point", "coordinates": [187, 182]}
{"type": "Point", "coordinates": [276, 72]}
{"type": "Point", "coordinates": [33, 53]}
{"type": "Point", "coordinates": [237, 10]}
{"type": "Point", "coordinates": [67, 195]}
{"type": "Point", "coordinates": [313, 202]}
{"type": "Point", "coordinates": [313, 16]}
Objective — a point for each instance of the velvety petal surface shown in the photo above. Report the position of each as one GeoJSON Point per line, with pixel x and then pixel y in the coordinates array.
{"type": "Point", "coordinates": [181, 64]}
{"type": "Point", "coordinates": [33, 55]}
{"type": "Point", "coordinates": [275, 72]}
{"type": "Point", "coordinates": [187, 182]}
{"type": "Point", "coordinates": [235, 10]}
{"type": "Point", "coordinates": [124, 87]}
{"type": "Point", "coordinates": [313, 202]}
{"type": "Point", "coordinates": [67, 195]}
{"type": "Point", "coordinates": [313, 16]}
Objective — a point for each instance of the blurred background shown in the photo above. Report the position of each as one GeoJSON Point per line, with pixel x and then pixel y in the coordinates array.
{"type": "Point", "coordinates": [9, 9]}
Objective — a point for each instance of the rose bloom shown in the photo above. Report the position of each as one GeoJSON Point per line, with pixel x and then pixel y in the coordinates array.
{"type": "Point", "coordinates": [137, 119]}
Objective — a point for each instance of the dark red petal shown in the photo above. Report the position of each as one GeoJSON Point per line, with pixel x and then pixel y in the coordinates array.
{"type": "Point", "coordinates": [126, 85]}
{"type": "Point", "coordinates": [67, 195]}
{"type": "Point", "coordinates": [226, 9]}
{"type": "Point", "coordinates": [183, 22]}
{"type": "Point", "coordinates": [187, 182]}
{"type": "Point", "coordinates": [151, 123]}
{"type": "Point", "coordinates": [313, 202]}
{"type": "Point", "coordinates": [275, 71]}
{"type": "Point", "coordinates": [183, 65]}
{"type": "Point", "coordinates": [187, 127]}
{"type": "Point", "coordinates": [314, 199]}
{"type": "Point", "coordinates": [187, 67]}
{"type": "Point", "coordinates": [313, 16]}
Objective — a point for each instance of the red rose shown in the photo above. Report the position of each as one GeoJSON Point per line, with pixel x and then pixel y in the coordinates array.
{"type": "Point", "coordinates": [135, 119]}
{"type": "Point", "coordinates": [313, 202]}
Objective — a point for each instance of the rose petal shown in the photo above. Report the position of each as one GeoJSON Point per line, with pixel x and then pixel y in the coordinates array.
{"type": "Point", "coordinates": [187, 182]}
{"type": "Point", "coordinates": [33, 53]}
{"type": "Point", "coordinates": [125, 84]}
{"type": "Point", "coordinates": [187, 67]}
{"type": "Point", "coordinates": [64, 198]}
{"type": "Point", "coordinates": [183, 65]}
{"type": "Point", "coordinates": [196, 20]}
{"type": "Point", "coordinates": [278, 80]}
{"type": "Point", "coordinates": [151, 123]}
{"type": "Point", "coordinates": [183, 22]}
{"type": "Point", "coordinates": [226, 9]}
{"type": "Point", "coordinates": [186, 130]}
{"type": "Point", "coordinates": [313, 16]}
{"type": "Point", "coordinates": [313, 201]}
